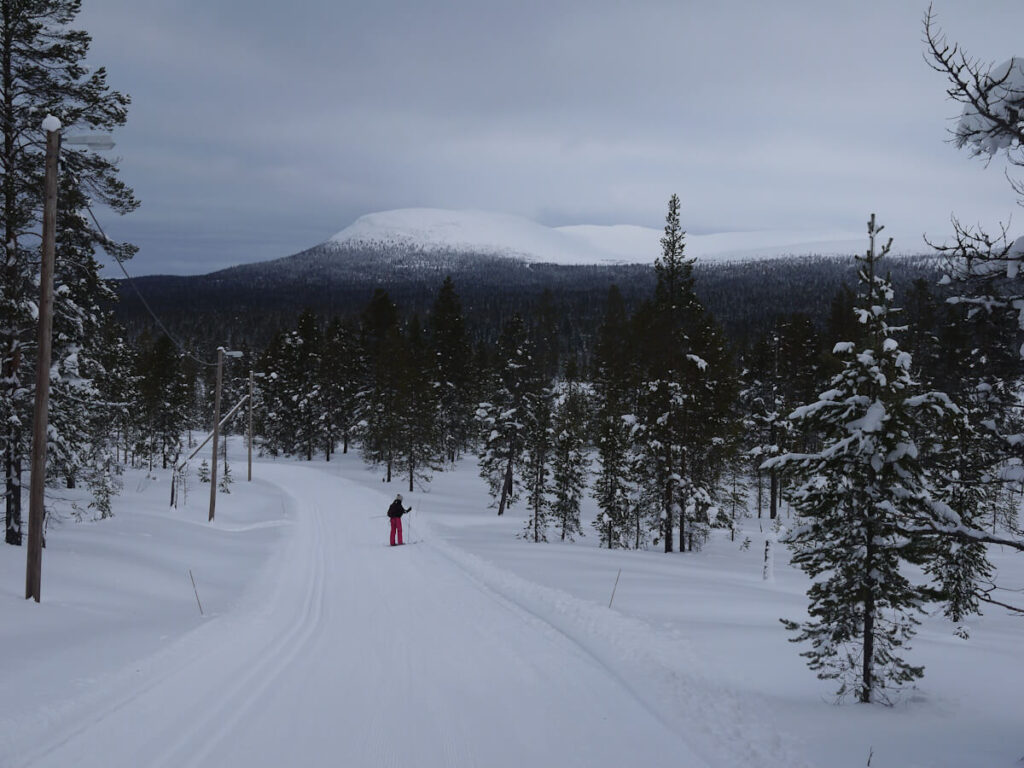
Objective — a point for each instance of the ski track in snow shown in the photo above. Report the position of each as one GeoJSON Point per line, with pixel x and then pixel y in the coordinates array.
{"type": "Point", "coordinates": [346, 652]}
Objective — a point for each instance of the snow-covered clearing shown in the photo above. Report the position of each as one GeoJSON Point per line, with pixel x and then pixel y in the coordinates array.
{"type": "Point", "coordinates": [321, 645]}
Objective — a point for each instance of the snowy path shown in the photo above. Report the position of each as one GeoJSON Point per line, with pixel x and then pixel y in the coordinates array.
{"type": "Point", "coordinates": [350, 653]}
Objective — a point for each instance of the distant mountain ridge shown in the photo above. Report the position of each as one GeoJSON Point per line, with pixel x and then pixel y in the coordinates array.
{"type": "Point", "coordinates": [434, 230]}
{"type": "Point", "coordinates": [502, 265]}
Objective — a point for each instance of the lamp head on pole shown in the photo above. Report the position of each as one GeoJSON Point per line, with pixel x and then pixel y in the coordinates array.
{"type": "Point", "coordinates": [93, 141]}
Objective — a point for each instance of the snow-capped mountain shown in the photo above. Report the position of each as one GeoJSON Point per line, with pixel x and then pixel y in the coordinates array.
{"type": "Point", "coordinates": [467, 231]}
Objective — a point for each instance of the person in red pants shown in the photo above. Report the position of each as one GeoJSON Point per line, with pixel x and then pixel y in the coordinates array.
{"type": "Point", "coordinates": [395, 512]}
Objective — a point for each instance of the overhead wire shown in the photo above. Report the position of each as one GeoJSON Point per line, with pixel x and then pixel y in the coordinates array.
{"type": "Point", "coordinates": [131, 281]}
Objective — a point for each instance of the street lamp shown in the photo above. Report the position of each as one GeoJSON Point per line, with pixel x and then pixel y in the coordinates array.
{"type": "Point", "coordinates": [37, 483]}
{"type": "Point", "coordinates": [221, 352]}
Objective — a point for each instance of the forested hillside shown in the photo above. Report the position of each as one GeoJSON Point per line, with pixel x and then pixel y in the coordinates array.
{"type": "Point", "coordinates": [252, 302]}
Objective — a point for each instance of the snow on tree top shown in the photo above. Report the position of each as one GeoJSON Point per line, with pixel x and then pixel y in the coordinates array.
{"type": "Point", "coordinates": [1005, 90]}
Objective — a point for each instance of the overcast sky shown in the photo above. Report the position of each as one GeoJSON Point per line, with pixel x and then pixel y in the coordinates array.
{"type": "Point", "coordinates": [258, 128]}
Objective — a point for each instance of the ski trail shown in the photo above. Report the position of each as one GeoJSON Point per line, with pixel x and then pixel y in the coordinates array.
{"type": "Point", "coordinates": [233, 705]}
{"type": "Point", "coordinates": [352, 653]}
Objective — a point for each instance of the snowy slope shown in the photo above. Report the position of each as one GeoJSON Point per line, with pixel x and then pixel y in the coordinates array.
{"type": "Point", "coordinates": [432, 229]}
{"type": "Point", "coordinates": [321, 646]}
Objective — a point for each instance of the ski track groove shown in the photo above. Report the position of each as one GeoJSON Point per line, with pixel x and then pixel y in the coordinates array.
{"type": "Point", "coordinates": [221, 720]}
{"type": "Point", "coordinates": [286, 626]}
{"type": "Point", "coordinates": [127, 689]}
{"type": "Point", "coordinates": [295, 638]}
{"type": "Point", "coordinates": [503, 587]}
{"type": "Point", "coordinates": [531, 616]}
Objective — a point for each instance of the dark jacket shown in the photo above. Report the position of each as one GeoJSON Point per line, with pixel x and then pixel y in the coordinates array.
{"type": "Point", "coordinates": [396, 509]}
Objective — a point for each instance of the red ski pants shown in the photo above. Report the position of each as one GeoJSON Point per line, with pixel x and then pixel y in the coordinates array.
{"type": "Point", "coordinates": [396, 527]}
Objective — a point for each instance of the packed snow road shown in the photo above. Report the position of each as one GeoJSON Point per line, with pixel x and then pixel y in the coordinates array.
{"type": "Point", "coordinates": [347, 652]}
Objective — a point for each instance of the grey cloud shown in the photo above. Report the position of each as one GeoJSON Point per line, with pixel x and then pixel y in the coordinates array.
{"type": "Point", "coordinates": [261, 128]}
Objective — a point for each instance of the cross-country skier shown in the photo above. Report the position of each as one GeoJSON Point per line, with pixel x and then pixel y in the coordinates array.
{"type": "Point", "coordinates": [395, 512]}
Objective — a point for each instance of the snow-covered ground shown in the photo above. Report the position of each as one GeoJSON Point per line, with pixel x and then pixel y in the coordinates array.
{"type": "Point", "coordinates": [321, 645]}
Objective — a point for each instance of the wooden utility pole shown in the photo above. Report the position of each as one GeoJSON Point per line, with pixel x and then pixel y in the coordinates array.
{"type": "Point", "coordinates": [216, 432]}
{"type": "Point", "coordinates": [36, 510]}
{"type": "Point", "coordinates": [250, 425]}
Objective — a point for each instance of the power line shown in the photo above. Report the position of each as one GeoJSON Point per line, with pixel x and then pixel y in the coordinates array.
{"type": "Point", "coordinates": [157, 320]}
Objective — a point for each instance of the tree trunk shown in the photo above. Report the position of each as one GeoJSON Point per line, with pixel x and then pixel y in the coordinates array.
{"type": "Point", "coordinates": [506, 488]}
{"type": "Point", "coordinates": [869, 621]}
{"type": "Point", "coordinates": [13, 471]}
{"type": "Point", "coordinates": [682, 526]}
{"type": "Point", "coordinates": [412, 472]}
{"type": "Point", "coordinates": [773, 492]}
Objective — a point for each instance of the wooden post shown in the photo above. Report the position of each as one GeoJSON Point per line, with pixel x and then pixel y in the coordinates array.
{"type": "Point", "coordinates": [250, 425]}
{"type": "Point", "coordinates": [216, 432]}
{"type": "Point", "coordinates": [36, 513]}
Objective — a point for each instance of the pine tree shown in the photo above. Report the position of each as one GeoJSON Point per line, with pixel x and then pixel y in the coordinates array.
{"type": "Point", "coordinates": [225, 480]}
{"type": "Point", "coordinates": [381, 398]}
{"type": "Point", "coordinates": [504, 418]}
{"type": "Point", "coordinates": [417, 451]}
{"type": "Point", "coordinates": [342, 372]}
{"type": "Point", "coordinates": [685, 396]}
{"type": "Point", "coordinates": [615, 396]}
{"type": "Point", "coordinates": [42, 71]}
{"type": "Point", "coordinates": [295, 416]}
{"type": "Point", "coordinates": [276, 406]}
{"type": "Point", "coordinates": [162, 394]}
{"type": "Point", "coordinates": [307, 345]}
{"type": "Point", "coordinates": [538, 442]}
{"type": "Point", "coordinates": [855, 500]}
{"type": "Point", "coordinates": [782, 371]}
{"type": "Point", "coordinates": [452, 372]}
{"type": "Point", "coordinates": [569, 463]}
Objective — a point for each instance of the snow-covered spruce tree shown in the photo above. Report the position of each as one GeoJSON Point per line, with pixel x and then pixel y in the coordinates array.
{"type": "Point", "coordinates": [538, 441]}
{"type": "Point", "coordinates": [735, 499]}
{"type": "Point", "coordinates": [310, 416]}
{"type": "Point", "coordinates": [294, 419]}
{"type": "Point", "coordinates": [275, 411]}
{"type": "Point", "coordinates": [615, 400]}
{"type": "Point", "coordinates": [502, 419]}
{"type": "Point", "coordinates": [162, 398]}
{"type": "Point", "coordinates": [381, 400]}
{"type": "Point", "coordinates": [452, 372]}
{"type": "Point", "coordinates": [569, 461]}
{"type": "Point", "coordinates": [684, 394]}
{"type": "Point", "coordinates": [780, 372]}
{"type": "Point", "coordinates": [856, 498]}
{"type": "Point", "coordinates": [342, 371]}
{"type": "Point", "coordinates": [225, 479]}
{"type": "Point", "coordinates": [112, 423]}
{"type": "Point", "coordinates": [960, 481]}
{"type": "Point", "coordinates": [42, 71]}
{"type": "Point", "coordinates": [119, 391]}
{"type": "Point", "coordinates": [417, 453]}
{"type": "Point", "coordinates": [714, 388]}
